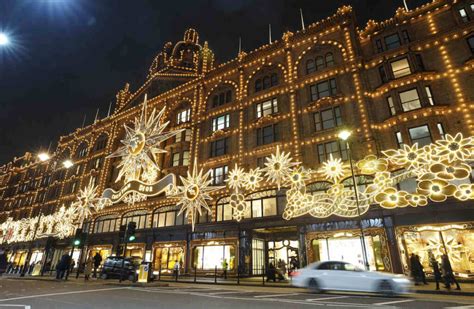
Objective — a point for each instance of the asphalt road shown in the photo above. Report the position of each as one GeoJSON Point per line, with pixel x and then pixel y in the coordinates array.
{"type": "Point", "coordinates": [33, 294]}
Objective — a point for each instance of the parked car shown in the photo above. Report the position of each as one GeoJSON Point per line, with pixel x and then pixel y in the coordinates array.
{"type": "Point", "coordinates": [112, 267]}
{"type": "Point", "coordinates": [343, 276]}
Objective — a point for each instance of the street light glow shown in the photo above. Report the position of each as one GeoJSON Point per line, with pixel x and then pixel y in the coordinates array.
{"type": "Point", "coordinates": [4, 40]}
{"type": "Point", "coordinates": [67, 163]}
{"type": "Point", "coordinates": [344, 134]}
{"type": "Point", "coordinates": [43, 156]}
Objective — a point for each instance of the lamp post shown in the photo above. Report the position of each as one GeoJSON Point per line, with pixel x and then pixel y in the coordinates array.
{"type": "Point", "coordinates": [344, 136]}
{"type": "Point", "coordinates": [4, 39]}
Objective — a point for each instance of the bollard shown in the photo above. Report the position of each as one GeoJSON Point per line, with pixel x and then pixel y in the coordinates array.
{"type": "Point", "coordinates": [195, 274]}
{"type": "Point", "coordinates": [263, 275]}
{"type": "Point", "coordinates": [215, 274]}
{"type": "Point", "coordinates": [159, 273]}
{"type": "Point", "coordinates": [238, 276]}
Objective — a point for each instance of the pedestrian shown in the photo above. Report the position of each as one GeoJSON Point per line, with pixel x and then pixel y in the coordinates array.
{"type": "Point", "coordinates": [176, 269]}
{"type": "Point", "coordinates": [73, 264]}
{"type": "Point", "coordinates": [3, 261]}
{"type": "Point", "coordinates": [421, 271]}
{"type": "Point", "coordinates": [224, 268]}
{"type": "Point", "coordinates": [271, 273]}
{"type": "Point", "coordinates": [88, 265]}
{"type": "Point", "coordinates": [436, 271]}
{"type": "Point", "coordinates": [448, 273]}
{"type": "Point", "coordinates": [414, 267]}
{"type": "Point", "coordinates": [97, 261]}
{"type": "Point", "coordinates": [281, 270]}
{"type": "Point", "coordinates": [62, 266]}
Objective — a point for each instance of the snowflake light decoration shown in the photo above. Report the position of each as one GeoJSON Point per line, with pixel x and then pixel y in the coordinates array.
{"type": "Point", "coordinates": [87, 201]}
{"type": "Point", "coordinates": [194, 192]}
{"type": "Point", "coordinates": [141, 145]}
{"type": "Point", "coordinates": [236, 177]}
{"type": "Point", "coordinates": [333, 169]}
{"type": "Point", "coordinates": [252, 179]}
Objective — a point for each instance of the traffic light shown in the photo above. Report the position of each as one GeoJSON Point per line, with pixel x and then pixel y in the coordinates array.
{"type": "Point", "coordinates": [132, 226]}
{"type": "Point", "coordinates": [122, 230]}
{"type": "Point", "coordinates": [78, 237]}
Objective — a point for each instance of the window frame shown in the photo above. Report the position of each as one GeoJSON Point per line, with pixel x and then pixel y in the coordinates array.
{"type": "Point", "coordinates": [407, 103]}
{"type": "Point", "coordinates": [413, 141]}
{"type": "Point", "coordinates": [260, 110]}
{"type": "Point", "coordinates": [336, 119]}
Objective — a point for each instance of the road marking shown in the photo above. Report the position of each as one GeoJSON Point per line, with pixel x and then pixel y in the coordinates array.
{"type": "Point", "coordinates": [460, 307]}
{"type": "Point", "coordinates": [393, 302]}
{"type": "Point", "coordinates": [326, 298]}
{"type": "Point", "coordinates": [15, 305]}
{"type": "Point", "coordinates": [228, 292]}
{"type": "Point", "coordinates": [62, 293]}
{"type": "Point", "coordinates": [276, 295]}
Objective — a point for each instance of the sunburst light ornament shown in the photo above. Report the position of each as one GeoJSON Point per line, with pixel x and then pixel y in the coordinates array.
{"type": "Point", "coordinates": [87, 201]}
{"type": "Point", "coordinates": [333, 169]}
{"type": "Point", "coordinates": [278, 167]}
{"type": "Point", "coordinates": [141, 145]}
{"type": "Point", "coordinates": [194, 192]}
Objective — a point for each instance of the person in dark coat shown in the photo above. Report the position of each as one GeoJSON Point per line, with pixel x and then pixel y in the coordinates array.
{"type": "Point", "coordinates": [271, 273]}
{"type": "Point", "coordinates": [415, 271]}
{"type": "Point", "coordinates": [448, 273]}
{"type": "Point", "coordinates": [3, 261]}
{"type": "Point", "coordinates": [436, 271]}
{"type": "Point", "coordinates": [62, 266]}
{"type": "Point", "coordinates": [421, 272]}
{"type": "Point", "coordinates": [97, 261]}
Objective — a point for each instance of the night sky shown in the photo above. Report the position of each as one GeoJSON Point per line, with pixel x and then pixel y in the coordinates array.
{"type": "Point", "coordinates": [70, 57]}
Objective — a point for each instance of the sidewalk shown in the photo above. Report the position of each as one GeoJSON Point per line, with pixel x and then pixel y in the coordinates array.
{"type": "Point", "coordinates": [467, 289]}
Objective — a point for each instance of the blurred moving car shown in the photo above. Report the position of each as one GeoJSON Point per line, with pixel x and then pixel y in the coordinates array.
{"type": "Point", "coordinates": [343, 276]}
{"type": "Point", "coordinates": [112, 267]}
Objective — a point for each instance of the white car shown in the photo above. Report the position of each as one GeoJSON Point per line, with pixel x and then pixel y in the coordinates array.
{"type": "Point", "coordinates": [343, 276]}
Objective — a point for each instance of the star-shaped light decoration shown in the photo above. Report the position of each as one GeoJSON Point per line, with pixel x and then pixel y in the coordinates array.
{"type": "Point", "coordinates": [252, 179]}
{"type": "Point", "coordinates": [236, 178]}
{"type": "Point", "coordinates": [333, 169]}
{"type": "Point", "coordinates": [87, 201]}
{"type": "Point", "coordinates": [141, 145]}
{"type": "Point", "coordinates": [194, 192]}
{"type": "Point", "coordinates": [278, 167]}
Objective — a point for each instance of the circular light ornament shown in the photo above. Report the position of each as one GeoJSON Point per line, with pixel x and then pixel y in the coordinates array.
{"type": "Point", "coordinates": [137, 143]}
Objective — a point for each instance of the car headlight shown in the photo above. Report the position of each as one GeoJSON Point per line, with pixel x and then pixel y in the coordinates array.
{"type": "Point", "coordinates": [401, 280]}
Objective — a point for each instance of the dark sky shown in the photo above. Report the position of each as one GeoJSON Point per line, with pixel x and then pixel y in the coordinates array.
{"type": "Point", "coordinates": [70, 57]}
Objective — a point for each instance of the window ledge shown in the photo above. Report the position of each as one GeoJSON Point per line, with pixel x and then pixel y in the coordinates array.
{"type": "Point", "coordinates": [326, 100]}
{"type": "Point", "coordinates": [405, 80]}
{"type": "Point", "coordinates": [414, 114]}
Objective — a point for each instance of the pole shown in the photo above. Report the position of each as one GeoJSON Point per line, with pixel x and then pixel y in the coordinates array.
{"type": "Point", "coordinates": [364, 249]}
{"type": "Point", "coordinates": [215, 274]}
{"type": "Point", "coordinates": [30, 250]}
{"type": "Point", "coordinates": [69, 266]}
{"type": "Point", "coordinates": [124, 253]}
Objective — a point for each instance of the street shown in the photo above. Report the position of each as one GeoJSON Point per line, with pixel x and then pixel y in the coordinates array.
{"type": "Point", "coordinates": [36, 294]}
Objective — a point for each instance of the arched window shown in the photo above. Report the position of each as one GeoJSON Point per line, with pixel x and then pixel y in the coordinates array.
{"type": "Point", "coordinates": [228, 96]}
{"type": "Point", "coordinates": [258, 85]}
{"type": "Point", "coordinates": [140, 217]}
{"type": "Point", "coordinates": [273, 79]}
{"type": "Point", "coordinates": [266, 82]}
{"type": "Point", "coordinates": [320, 62]}
{"type": "Point", "coordinates": [168, 216]}
{"type": "Point", "coordinates": [105, 224]}
{"type": "Point", "coordinates": [222, 97]}
{"type": "Point", "coordinates": [310, 66]}
{"type": "Point", "coordinates": [329, 59]}
{"type": "Point", "coordinates": [101, 142]}
{"type": "Point", "coordinates": [81, 151]}
{"type": "Point", "coordinates": [184, 115]}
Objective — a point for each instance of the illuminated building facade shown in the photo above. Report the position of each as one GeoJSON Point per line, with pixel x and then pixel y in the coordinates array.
{"type": "Point", "coordinates": [402, 81]}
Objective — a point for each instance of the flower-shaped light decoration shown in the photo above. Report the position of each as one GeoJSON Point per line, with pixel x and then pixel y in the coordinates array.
{"type": "Point", "coordinates": [446, 171]}
{"type": "Point", "coordinates": [455, 148]}
{"type": "Point", "coordinates": [141, 145]}
{"type": "Point", "coordinates": [87, 201]}
{"type": "Point", "coordinates": [465, 192]}
{"type": "Point", "coordinates": [239, 206]}
{"type": "Point", "coordinates": [194, 192]}
{"type": "Point", "coordinates": [299, 176]}
{"type": "Point", "coordinates": [336, 189]}
{"type": "Point", "coordinates": [252, 179]}
{"type": "Point", "coordinates": [415, 200]}
{"type": "Point", "coordinates": [371, 165]}
{"type": "Point", "coordinates": [236, 177]}
{"type": "Point", "coordinates": [410, 157]}
{"type": "Point", "coordinates": [438, 190]}
{"type": "Point", "coordinates": [391, 198]}
{"type": "Point", "coordinates": [278, 167]}
{"type": "Point", "coordinates": [333, 169]}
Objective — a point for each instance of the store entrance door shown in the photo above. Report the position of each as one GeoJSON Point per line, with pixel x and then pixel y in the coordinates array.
{"type": "Point", "coordinates": [283, 253]}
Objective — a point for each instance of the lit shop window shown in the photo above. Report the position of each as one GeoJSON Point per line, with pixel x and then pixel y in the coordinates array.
{"type": "Point", "coordinates": [221, 122]}
{"type": "Point", "coordinates": [400, 68]}
{"type": "Point", "coordinates": [211, 256]}
{"type": "Point", "coordinates": [183, 116]}
{"type": "Point", "coordinates": [166, 257]}
{"type": "Point", "coordinates": [267, 108]}
{"type": "Point", "coordinates": [323, 89]}
{"type": "Point", "coordinates": [420, 135]}
{"type": "Point", "coordinates": [410, 100]}
{"type": "Point", "coordinates": [327, 119]}
{"type": "Point", "coordinates": [337, 149]}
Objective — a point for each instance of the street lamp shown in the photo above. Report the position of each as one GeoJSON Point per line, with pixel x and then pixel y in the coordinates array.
{"type": "Point", "coordinates": [344, 136]}
{"type": "Point", "coordinates": [4, 40]}
{"type": "Point", "coordinates": [67, 163]}
{"type": "Point", "coordinates": [43, 156]}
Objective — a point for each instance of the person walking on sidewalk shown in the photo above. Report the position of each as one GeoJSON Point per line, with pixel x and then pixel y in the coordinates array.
{"type": "Point", "coordinates": [224, 268]}
{"type": "Point", "coordinates": [448, 273]}
{"type": "Point", "coordinates": [436, 271]}
{"type": "Point", "coordinates": [97, 261]}
{"type": "Point", "coordinates": [420, 269]}
{"type": "Point", "coordinates": [415, 270]}
{"type": "Point", "coordinates": [176, 269]}
{"type": "Point", "coordinates": [88, 268]}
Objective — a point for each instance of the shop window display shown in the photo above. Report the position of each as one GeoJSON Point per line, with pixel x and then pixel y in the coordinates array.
{"type": "Point", "coordinates": [165, 258]}
{"type": "Point", "coordinates": [433, 241]}
{"type": "Point", "coordinates": [209, 257]}
{"type": "Point", "coordinates": [284, 250]}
